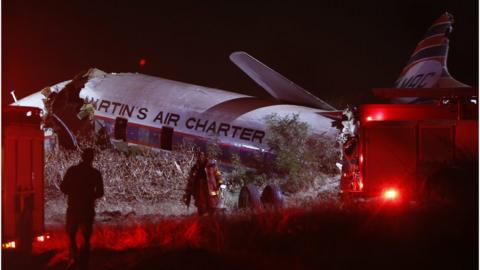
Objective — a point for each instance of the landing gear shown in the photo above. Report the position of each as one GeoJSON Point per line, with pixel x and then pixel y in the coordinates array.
{"type": "Point", "coordinates": [249, 198]}
{"type": "Point", "coordinates": [272, 197]}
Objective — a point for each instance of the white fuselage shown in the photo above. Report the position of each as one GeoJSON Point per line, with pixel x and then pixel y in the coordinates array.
{"type": "Point", "coordinates": [194, 112]}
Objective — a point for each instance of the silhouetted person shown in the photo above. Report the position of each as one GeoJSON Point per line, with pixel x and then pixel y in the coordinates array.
{"type": "Point", "coordinates": [204, 185]}
{"type": "Point", "coordinates": [83, 185]}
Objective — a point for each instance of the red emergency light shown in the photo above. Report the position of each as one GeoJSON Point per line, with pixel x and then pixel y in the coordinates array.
{"type": "Point", "coordinates": [42, 238]}
{"type": "Point", "coordinates": [391, 194]}
{"type": "Point", "coordinates": [377, 116]}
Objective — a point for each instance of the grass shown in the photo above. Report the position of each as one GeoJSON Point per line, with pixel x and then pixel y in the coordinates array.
{"type": "Point", "coordinates": [373, 236]}
{"type": "Point", "coordinates": [315, 231]}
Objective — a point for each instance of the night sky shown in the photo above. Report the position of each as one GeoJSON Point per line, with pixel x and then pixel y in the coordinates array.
{"type": "Point", "coordinates": [338, 50]}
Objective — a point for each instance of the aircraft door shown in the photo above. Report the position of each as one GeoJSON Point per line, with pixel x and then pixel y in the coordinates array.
{"type": "Point", "coordinates": [120, 129]}
{"type": "Point", "coordinates": [166, 138]}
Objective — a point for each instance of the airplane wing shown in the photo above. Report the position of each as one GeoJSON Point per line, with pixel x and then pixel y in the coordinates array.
{"type": "Point", "coordinates": [275, 84]}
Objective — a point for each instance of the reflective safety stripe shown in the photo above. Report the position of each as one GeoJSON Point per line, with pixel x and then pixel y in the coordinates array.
{"type": "Point", "coordinates": [214, 193]}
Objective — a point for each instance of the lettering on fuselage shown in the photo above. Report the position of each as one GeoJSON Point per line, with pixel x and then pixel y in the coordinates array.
{"type": "Point", "coordinates": [415, 81]}
{"type": "Point", "coordinates": [224, 129]}
{"type": "Point", "coordinates": [207, 126]}
{"type": "Point", "coordinates": [124, 110]}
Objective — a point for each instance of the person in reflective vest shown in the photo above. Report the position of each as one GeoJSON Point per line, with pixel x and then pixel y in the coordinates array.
{"type": "Point", "coordinates": [204, 185]}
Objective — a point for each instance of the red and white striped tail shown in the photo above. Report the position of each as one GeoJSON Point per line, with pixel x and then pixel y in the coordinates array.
{"type": "Point", "coordinates": [427, 67]}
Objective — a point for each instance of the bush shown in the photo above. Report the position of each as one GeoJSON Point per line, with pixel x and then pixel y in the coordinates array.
{"type": "Point", "coordinates": [299, 153]}
{"type": "Point", "coordinates": [237, 178]}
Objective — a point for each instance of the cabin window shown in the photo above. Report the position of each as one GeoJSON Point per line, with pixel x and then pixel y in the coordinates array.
{"type": "Point", "coordinates": [132, 133]}
{"type": "Point", "coordinates": [143, 135]}
{"type": "Point", "coordinates": [120, 129]}
{"type": "Point", "coordinates": [154, 138]}
{"type": "Point", "coordinates": [166, 138]}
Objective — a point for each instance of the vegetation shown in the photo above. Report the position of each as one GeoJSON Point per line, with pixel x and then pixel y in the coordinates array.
{"type": "Point", "coordinates": [299, 155]}
{"type": "Point", "coordinates": [139, 176]}
{"type": "Point", "coordinates": [213, 147]}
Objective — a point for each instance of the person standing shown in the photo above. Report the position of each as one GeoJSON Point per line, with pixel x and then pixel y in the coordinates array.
{"type": "Point", "coordinates": [82, 184]}
{"type": "Point", "coordinates": [204, 185]}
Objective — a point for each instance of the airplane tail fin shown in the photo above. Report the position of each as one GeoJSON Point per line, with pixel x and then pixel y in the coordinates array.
{"type": "Point", "coordinates": [275, 84]}
{"type": "Point", "coordinates": [427, 67]}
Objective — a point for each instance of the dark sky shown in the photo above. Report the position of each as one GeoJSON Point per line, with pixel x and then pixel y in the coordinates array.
{"type": "Point", "coordinates": [338, 50]}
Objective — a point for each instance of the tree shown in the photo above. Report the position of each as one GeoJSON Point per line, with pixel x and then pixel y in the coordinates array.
{"type": "Point", "coordinates": [299, 154]}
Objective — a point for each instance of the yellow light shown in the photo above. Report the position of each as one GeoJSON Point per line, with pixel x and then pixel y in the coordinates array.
{"type": "Point", "coordinates": [390, 194]}
{"type": "Point", "coordinates": [369, 118]}
{"type": "Point", "coordinates": [9, 245]}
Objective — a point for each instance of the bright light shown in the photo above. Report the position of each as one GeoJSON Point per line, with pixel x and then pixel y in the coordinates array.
{"type": "Point", "coordinates": [42, 238]}
{"type": "Point", "coordinates": [9, 245]}
{"type": "Point", "coordinates": [390, 194]}
{"type": "Point", "coordinates": [142, 62]}
{"type": "Point", "coordinates": [361, 158]}
{"type": "Point", "coordinates": [377, 117]}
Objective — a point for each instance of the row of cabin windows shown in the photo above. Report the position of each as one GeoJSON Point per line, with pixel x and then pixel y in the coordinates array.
{"type": "Point", "coordinates": [122, 131]}
{"type": "Point", "coordinates": [165, 139]}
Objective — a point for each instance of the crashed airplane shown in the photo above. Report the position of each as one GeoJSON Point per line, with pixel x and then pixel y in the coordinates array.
{"type": "Point", "coordinates": [160, 113]}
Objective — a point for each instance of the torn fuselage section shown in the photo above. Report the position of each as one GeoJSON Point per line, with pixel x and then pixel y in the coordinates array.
{"type": "Point", "coordinates": [70, 117]}
{"type": "Point", "coordinates": [350, 161]}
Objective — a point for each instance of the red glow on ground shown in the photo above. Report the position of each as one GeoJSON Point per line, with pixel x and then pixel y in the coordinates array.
{"type": "Point", "coordinates": [237, 238]}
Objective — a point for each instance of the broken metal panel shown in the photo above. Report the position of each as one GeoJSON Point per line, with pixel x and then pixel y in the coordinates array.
{"type": "Point", "coordinates": [69, 115]}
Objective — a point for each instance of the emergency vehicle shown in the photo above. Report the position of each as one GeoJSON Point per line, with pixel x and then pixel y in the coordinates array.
{"type": "Point", "coordinates": [397, 148]}
{"type": "Point", "coordinates": [22, 178]}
